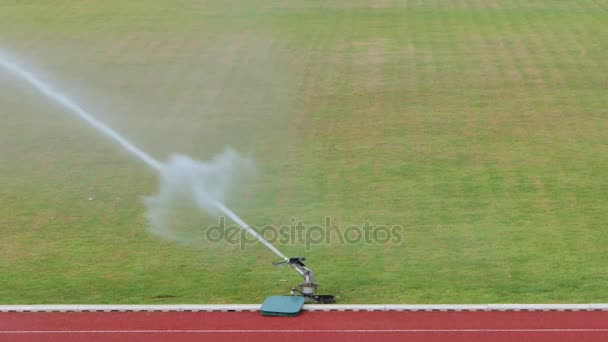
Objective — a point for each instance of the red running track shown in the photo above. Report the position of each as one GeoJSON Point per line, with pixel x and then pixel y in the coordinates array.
{"type": "Point", "coordinates": [424, 326]}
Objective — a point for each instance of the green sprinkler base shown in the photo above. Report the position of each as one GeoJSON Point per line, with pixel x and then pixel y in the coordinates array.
{"type": "Point", "coordinates": [282, 306]}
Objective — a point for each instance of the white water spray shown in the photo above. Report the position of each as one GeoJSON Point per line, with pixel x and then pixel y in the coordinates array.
{"type": "Point", "coordinates": [201, 191]}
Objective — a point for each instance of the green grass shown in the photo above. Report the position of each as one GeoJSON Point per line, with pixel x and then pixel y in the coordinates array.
{"type": "Point", "coordinates": [481, 127]}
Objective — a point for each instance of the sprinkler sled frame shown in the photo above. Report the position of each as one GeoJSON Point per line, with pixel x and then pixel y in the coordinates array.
{"type": "Point", "coordinates": [308, 288]}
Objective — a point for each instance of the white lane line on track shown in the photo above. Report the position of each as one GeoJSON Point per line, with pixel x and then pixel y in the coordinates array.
{"type": "Point", "coordinates": [288, 331]}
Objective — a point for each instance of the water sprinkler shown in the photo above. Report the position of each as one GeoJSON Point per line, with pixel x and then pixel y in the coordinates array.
{"type": "Point", "coordinates": [308, 288]}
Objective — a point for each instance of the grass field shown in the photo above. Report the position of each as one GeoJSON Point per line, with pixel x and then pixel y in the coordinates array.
{"type": "Point", "coordinates": [481, 127]}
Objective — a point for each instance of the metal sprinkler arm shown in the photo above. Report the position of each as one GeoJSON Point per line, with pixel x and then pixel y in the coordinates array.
{"type": "Point", "coordinates": [298, 265]}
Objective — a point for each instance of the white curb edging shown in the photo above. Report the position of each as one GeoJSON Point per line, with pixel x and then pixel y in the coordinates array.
{"type": "Point", "coordinates": [307, 307]}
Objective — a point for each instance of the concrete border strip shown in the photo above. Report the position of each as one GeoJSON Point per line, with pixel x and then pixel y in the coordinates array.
{"type": "Point", "coordinates": [307, 307]}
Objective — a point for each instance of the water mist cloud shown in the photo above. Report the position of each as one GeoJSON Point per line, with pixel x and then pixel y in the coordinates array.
{"type": "Point", "coordinates": [184, 183]}
{"type": "Point", "coordinates": [188, 188]}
